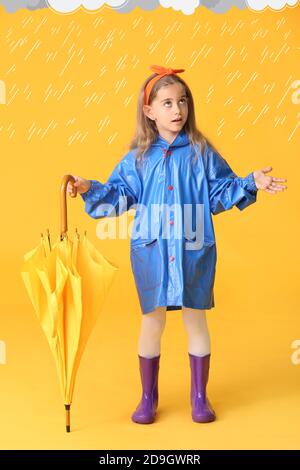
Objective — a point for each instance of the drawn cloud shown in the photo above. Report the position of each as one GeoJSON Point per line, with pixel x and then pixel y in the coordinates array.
{"type": "Point", "coordinates": [188, 7]}
{"type": "Point", "coordinates": [217, 6]}
{"type": "Point", "coordinates": [68, 6]}
{"type": "Point", "coordinates": [14, 5]}
{"type": "Point", "coordinates": [221, 6]}
{"type": "Point", "coordinates": [132, 4]}
{"type": "Point", "coordinates": [260, 5]}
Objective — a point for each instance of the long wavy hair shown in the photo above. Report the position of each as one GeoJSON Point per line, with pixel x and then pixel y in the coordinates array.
{"type": "Point", "coordinates": [146, 131]}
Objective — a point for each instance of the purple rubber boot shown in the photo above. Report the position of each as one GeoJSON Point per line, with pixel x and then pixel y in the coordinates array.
{"type": "Point", "coordinates": [146, 409]}
{"type": "Point", "coordinates": [202, 411]}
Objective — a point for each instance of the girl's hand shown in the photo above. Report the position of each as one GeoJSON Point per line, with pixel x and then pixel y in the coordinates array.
{"type": "Point", "coordinates": [268, 183]}
{"type": "Point", "coordinates": [81, 184]}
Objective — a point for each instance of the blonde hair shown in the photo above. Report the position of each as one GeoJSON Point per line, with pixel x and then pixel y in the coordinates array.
{"type": "Point", "coordinates": [146, 130]}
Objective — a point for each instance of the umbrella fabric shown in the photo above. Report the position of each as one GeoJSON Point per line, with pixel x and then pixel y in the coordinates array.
{"type": "Point", "coordinates": [67, 285]}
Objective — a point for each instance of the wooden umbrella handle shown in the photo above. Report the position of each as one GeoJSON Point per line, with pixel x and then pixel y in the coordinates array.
{"type": "Point", "coordinates": [63, 204]}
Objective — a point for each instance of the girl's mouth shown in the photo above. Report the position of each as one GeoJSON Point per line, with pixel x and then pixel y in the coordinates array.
{"type": "Point", "coordinates": [177, 120]}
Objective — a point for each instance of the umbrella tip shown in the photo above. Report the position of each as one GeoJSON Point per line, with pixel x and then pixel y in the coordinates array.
{"type": "Point", "coordinates": [67, 408]}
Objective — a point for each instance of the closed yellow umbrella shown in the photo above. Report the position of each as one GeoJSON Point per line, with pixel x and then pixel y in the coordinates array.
{"type": "Point", "coordinates": [67, 284]}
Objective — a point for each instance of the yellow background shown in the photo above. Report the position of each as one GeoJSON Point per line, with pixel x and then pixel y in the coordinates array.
{"type": "Point", "coordinates": [72, 83]}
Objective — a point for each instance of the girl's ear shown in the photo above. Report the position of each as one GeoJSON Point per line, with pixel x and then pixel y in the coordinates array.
{"type": "Point", "coordinates": [148, 111]}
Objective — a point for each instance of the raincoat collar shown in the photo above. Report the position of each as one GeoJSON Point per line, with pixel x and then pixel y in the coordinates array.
{"type": "Point", "coordinates": [180, 140]}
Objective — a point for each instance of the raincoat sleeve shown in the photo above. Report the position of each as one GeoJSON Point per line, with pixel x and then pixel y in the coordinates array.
{"type": "Point", "coordinates": [117, 195]}
{"type": "Point", "coordinates": [226, 189]}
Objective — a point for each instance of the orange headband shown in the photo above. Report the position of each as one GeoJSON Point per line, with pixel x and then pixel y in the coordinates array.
{"type": "Point", "coordinates": [161, 72]}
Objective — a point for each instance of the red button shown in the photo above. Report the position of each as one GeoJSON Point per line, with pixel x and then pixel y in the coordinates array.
{"type": "Point", "coordinates": [169, 152]}
{"type": "Point", "coordinates": [170, 187]}
{"type": "Point", "coordinates": [172, 258]}
{"type": "Point", "coordinates": [171, 222]}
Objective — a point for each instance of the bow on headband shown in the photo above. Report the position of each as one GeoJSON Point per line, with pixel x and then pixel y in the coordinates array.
{"type": "Point", "coordinates": [161, 72]}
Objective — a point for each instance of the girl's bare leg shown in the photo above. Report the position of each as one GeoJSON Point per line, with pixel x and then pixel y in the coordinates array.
{"type": "Point", "coordinates": [152, 327]}
{"type": "Point", "coordinates": [197, 330]}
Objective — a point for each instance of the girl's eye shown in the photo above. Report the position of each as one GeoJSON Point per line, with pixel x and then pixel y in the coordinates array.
{"type": "Point", "coordinates": [182, 99]}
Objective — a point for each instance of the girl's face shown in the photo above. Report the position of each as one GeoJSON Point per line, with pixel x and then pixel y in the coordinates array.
{"type": "Point", "coordinates": [169, 104]}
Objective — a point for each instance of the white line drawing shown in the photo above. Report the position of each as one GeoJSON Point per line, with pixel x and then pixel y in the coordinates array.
{"type": "Point", "coordinates": [264, 110]}
{"type": "Point", "coordinates": [293, 131]}
{"type": "Point", "coordinates": [286, 92]}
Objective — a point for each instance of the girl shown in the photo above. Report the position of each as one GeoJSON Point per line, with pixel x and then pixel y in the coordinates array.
{"type": "Point", "coordinates": [170, 168]}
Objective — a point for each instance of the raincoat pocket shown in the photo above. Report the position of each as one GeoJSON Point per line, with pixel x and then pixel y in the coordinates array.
{"type": "Point", "coordinates": [146, 264]}
{"type": "Point", "coordinates": [199, 263]}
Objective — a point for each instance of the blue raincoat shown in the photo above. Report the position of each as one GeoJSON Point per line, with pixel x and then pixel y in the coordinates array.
{"type": "Point", "coordinates": [170, 268]}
